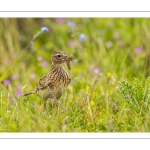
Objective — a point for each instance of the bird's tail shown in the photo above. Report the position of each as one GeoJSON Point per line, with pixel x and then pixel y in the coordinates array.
{"type": "Point", "coordinates": [28, 93]}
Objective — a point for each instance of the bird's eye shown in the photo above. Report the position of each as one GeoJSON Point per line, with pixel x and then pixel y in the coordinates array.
{"type": "Point", "coordinates": [58, 56]}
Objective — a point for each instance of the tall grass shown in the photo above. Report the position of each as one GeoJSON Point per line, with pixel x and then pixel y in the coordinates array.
{"type": "Point", "coordinates": [117, 48]}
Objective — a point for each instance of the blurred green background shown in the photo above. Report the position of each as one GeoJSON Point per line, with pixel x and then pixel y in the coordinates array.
{"type": "Point", "coordinates": [118, 48]}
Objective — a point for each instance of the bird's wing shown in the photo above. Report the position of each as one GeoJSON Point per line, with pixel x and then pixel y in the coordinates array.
{"type": "Point", "coordinates": [44, 82]}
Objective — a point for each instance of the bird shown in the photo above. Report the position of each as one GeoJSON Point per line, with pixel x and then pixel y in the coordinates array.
{"type": "Point", "coordinates": [52, 85]}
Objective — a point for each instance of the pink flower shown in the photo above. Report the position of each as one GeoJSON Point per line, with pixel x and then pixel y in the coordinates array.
{"type": "Point", "coordinates": [19, 93]}
{"type": "Point", "coordinates": [138, 50]}
{"type": "Point", "coordinates": [96, 70]}
{"type": "Point", "coordinates": [60, 20]}
{"type": "Point", "coordinates": [19, 86]}
{"type": "Point", "coordinates": [6, 82]}
{"type": "Point", "coordinates": [44, 63]}
{"type": "Point", "coordinates": [109, 44]}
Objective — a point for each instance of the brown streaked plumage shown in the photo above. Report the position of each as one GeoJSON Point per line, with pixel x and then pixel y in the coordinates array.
{"type": "Point", "coordinates": [52, 85]}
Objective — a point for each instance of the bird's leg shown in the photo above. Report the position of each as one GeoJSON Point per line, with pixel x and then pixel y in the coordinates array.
{"type": "Point", "coordinates": [52, 96]}
{"type": "Point", "coordinates": [57, 101]}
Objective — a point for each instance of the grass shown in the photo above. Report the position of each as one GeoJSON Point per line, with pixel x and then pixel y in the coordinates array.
{"type": "Point", "coordinates": [118, 48]}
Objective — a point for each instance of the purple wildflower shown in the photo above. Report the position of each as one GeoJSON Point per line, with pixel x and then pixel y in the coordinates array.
{"type": "Point", "coordinates": [19, 93]}
{"type": "Point", "coordinates": [138, 50]}
{"type": "Point", "coordinates": [44, 29]}
{"type": "Point", "coordinates": [19, 86]}
{"type": "Point", "coordinates": [82, 37]}
{"type": "Point", "coordinates": [60, 20]}
{"type": "Point", "coordinates": [71, 24]}
{"type": "Point", "coordinates": [96, 70]}
{"type": "Point", "coordinates": [6, 82]}
{"type": "Point", "coordinates": [44, 63]}
{"type": "Point", "coordinates": [109, 44]}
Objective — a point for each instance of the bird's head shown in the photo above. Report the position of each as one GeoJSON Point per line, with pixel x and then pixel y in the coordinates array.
{"type": "Point", "coordinates": [59, 57]}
